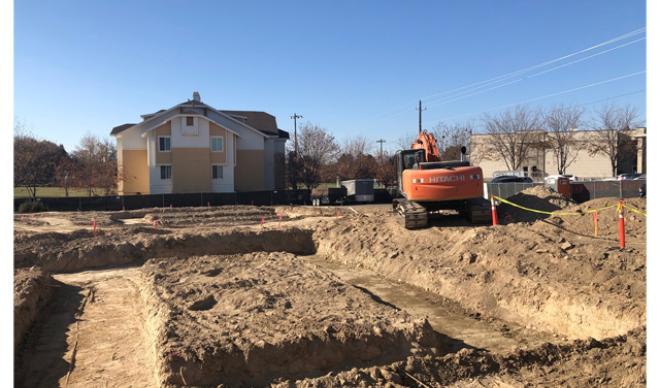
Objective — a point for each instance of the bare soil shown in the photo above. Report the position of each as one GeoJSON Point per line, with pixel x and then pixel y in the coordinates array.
{"type": "Point", "coordinates": [330, 297]}
{"type": "Point", "coordinates": [248, 319]}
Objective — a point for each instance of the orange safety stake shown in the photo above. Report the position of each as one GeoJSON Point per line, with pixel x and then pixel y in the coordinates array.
{"type": "Point", "coordinates": [493, 211]}
{"type": "Point", "coordinates": [279, 216]}
{"type": "Point", "coordinates": [94, 226]}
{"type": "Point", "coordinates": [262, 221]}
{"type": "Point", "coordinates": [622, 227]}
{"type": "Point", "coordinates": [596, 223]}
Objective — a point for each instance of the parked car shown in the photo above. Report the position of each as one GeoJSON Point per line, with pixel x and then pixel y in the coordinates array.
{"type": "Point", "coordinates": [512, 179]}
{"type": "Point", "coordinates": [552, 179]}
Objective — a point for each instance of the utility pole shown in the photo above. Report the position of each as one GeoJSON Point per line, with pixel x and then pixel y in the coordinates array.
{"type": "Point", "coordinates": [381, 141]}
{"type": "Point", "coordinates": [420, 109]}
{"type": "Point", "coordinates": [295, 118]}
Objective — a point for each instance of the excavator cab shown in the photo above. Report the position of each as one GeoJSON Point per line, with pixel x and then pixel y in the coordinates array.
{"type": "Point", "coordinates": [407, 159]}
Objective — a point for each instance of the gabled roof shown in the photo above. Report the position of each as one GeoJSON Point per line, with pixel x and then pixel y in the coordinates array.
{"type": "Point", "coordinates": [222, 118]}
{"type": "Point", "coordinates": [121, 128]}
{"type": "Point", "coordinates": [259, 120]}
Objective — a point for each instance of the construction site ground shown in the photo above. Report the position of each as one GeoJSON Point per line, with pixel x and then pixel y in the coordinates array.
{"type": "Point", "coordinates": [330, 296]}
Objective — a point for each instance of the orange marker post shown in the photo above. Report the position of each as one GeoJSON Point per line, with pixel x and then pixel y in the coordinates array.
{"type": "Point", "coordinates": [94, 226]}
{"type": "Point", "coordinates": [622, 227]}
{"type": "Point", "coordinates": [262, 222]}
{"type": "Point", "coordinates": [493, 211]}
{"type": "Point", "coordinates": [596, 223]}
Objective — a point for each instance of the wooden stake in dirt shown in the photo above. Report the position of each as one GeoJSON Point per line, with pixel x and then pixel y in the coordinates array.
{"type": "Point", "coordinates": [596, 223]}
{"type": "Point", "coordinates": [94, 226]}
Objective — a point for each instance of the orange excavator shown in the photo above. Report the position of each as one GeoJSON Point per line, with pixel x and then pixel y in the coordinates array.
{"type": "Point", "coordinates": [429, 185]}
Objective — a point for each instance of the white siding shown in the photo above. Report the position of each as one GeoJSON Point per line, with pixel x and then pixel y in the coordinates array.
{"type": "Point", "coordinates": [131, 139]}
{"type": "Point", "coordinates": [179, 140]}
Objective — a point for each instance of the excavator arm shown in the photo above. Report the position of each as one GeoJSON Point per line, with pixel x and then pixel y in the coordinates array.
{"type": "Point", "coordinates": [426, 141]}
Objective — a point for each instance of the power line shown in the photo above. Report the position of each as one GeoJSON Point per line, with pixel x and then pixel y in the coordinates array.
{"type": "Point", "coordinates": [295, 118]}
{"type": "Point", "coordinates": [554, 94]}
{"type": "Point", "coordinates": [381, 141]}
{"type": "Point", "coordinates": [420, 110]}
{"type": "Point", "coordinates": [460, 97]}
{"type": "Point", "coordinates": [539, 65]}
{"type": "Point", "coordinates": [485, 83]}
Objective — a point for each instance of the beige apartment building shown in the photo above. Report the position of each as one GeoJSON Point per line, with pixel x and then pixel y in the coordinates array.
{"type": "Point", "coordinates": [541, 162]}
{"type": "Point", "coordinates": [193, 147]}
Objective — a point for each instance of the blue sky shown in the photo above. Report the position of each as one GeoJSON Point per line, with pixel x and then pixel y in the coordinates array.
{"type": "Point", "coordinates": [355, 68]}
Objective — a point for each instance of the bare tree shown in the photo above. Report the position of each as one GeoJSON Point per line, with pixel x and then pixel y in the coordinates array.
{"type": "Point", "coordinates": [611, 138]}
{"type": "Point", "coordinates": [512, 135]}
{"type": "Point", "coordinates": [451, 138]}
{"type": "Point", "coordinates": [356, 160]}
{"type": "Point", "coordinates": [404, 143]}
{"type": "Point", "coordinates": [561, 122]}
{"type": "Point", "coordinates": [316, 148]}
{"type": "Point", "coordinates": [97, 159]}
{"type": "Point", "coordinates": [386, 169]}
{"type": "Point", "coordinates": [35, 160]}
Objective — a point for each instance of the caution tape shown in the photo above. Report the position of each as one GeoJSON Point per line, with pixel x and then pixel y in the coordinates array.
{"type": "Point", "coordinates": [554, 213]}
{"type": "Point", "coordinates": [635, 210]}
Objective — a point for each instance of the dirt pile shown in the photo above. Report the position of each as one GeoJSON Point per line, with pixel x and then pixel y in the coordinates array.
{"type": "Point", "coordinates": [248, 320]}
{"type": "Point", "coordinates": [635, 223]}
{"type": "Point", "coordinates": [32, 291]}
{"type": "Point", "coordinates": [615, 362]}
{"type": "Point", "coordinates": [538, 274]}
{"type": "Point", "coordinates": [81, 250]}
{"type": "Point", "coordinates": [537, 197]}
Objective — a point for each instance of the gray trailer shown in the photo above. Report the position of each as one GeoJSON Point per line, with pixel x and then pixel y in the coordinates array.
{"type": "Point", "coordinates": [359, 190]}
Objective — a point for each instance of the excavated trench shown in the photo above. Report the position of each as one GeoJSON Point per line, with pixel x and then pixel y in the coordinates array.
{"type": "Point", "coordinates": [121, 326]}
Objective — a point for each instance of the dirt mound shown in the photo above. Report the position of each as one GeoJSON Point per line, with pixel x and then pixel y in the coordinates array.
{"type": "Point", "coordinates": [247, 320]}
{"type": "Point", "coordinates": [539, 274]}
{"type": "Point", "coordinates": [538, 198]}
{"type": "Point", "coordinates": [617, 361]}
{"type": "Point", "coordinates": [68, 252]}
{"type": "Point", "coordinates": [32, 290]}
{"type": "Point", "coordinates": [608, 226]}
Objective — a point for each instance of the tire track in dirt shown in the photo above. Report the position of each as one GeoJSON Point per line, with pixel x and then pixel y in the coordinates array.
{"type": "Point", "coordinates": [447, 319]}
{"type": "Point", "coordinates": [93, 336]}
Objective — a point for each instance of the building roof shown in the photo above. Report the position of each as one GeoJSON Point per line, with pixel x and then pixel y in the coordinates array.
{"type": "Point", "coordinates": [121, 128]}
{"type": "Point", "coordinates": [260, 122]}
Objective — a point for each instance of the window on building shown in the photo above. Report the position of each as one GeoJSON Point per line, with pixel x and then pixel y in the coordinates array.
{"type": "Point", "coordinates": [164, 143]}
{"type": "Point", "coordinates": [165, 171]}
{"type": "Point", "coordinates": [217, 144]}
{"type": "Point", "coordinates": [216, 171]}
{"type": "Point", "coordinates": [190, 121]}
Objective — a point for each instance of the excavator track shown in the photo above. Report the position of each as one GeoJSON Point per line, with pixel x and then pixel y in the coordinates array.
{"type": "Point", "coordinates": [413, 215]}
{"type": "Point", "coordinates": [416, 216]}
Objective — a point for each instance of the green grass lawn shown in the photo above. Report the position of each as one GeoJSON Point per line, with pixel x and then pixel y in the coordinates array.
{"type": "Point", "coordinates": [21, 192]}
